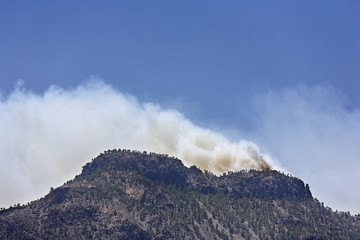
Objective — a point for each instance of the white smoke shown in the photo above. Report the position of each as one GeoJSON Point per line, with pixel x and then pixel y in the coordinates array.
{"type": "Point", "coordinates": [315, 132]}
{"type": "Point", "coordinates": [45, 139]}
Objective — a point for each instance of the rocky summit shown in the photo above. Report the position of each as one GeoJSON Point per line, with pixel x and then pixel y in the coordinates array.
{"type": "Point", "coordinates": [124, 194]}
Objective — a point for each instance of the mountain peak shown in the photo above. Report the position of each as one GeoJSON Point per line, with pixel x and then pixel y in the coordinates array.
{"type": "Point", "coordinates": [170, 170]}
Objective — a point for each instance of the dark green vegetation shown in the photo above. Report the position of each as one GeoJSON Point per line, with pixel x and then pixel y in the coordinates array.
{"type": "Point", "coordinates": [133, 195]}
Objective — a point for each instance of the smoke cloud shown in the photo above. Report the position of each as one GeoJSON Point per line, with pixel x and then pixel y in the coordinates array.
{"type": "Point", "coordinates": [45, 139]}
{"type": "Point", "coordinates": [315, 132]}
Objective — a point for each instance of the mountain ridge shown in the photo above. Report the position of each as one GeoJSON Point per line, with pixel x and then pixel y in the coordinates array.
{"type": "Point", "coordinates": [125, 194]}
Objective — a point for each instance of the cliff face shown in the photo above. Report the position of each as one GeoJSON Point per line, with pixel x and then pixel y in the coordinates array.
{"type": "Point", "coordinates": [133, 195]}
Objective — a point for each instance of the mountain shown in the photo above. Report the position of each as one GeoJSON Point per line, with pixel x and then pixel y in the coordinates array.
{"type": "Point", "coordinates": [124, 194]}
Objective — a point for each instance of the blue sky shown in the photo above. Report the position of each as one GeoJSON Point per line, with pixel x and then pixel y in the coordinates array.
{"type": "Point", "coordinates": [283, 74]}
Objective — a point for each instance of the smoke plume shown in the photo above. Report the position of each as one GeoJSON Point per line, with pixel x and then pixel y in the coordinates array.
{"type": "Point", "coordinates": [45, 139]}
{"type": "Point", "coordinates": [315, 132]}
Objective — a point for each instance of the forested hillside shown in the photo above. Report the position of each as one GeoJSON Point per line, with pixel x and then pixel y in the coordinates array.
{"type": "Point", "coordinates": [125, 194]}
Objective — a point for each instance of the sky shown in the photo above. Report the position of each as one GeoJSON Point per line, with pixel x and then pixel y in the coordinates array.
{"type": "Point", "coordinates": [274, 80]}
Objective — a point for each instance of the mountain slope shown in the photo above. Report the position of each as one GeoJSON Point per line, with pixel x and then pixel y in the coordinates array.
{"type": "Point", "coordinates": [126, 194]}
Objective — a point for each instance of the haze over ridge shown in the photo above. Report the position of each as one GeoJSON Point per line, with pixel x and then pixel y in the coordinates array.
{"type": "Point", "coordinates": [310, 131]}
{"type": "Point", "coordinates": [50, 136]}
